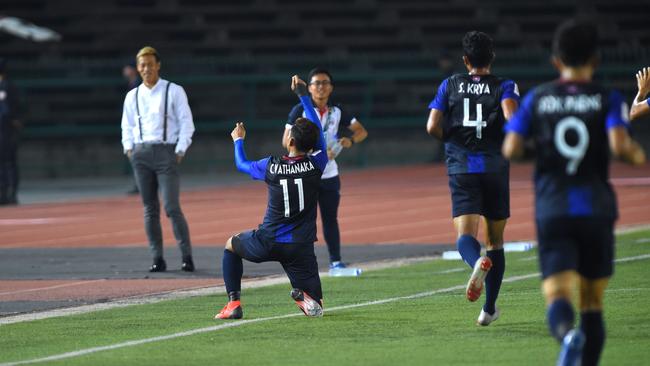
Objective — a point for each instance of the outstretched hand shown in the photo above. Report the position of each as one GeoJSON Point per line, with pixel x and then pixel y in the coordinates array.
{"type": "Point", "coordinates": [298, 86]}
{"type": "Point", "coordinates": [239, 132]}
{"type": "Point", "coordinates": [643, 81]}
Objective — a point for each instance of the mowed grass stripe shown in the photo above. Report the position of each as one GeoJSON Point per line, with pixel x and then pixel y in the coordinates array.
{"type": "Point", "coordinates": [241, 323]}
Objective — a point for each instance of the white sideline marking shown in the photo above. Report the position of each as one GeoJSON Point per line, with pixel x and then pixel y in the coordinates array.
{"type": "Point", "coordinates": [528, 259]}
{"type": "Point", "coordinates": [186, 293]}
{"type": "Point", "coordinates": [451, 270]}
{"type": "Point", "coordinates": [249, 321]}
{"type": "Point", "coordinates": [51, 287]}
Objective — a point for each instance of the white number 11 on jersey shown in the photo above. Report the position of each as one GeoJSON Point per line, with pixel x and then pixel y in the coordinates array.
{"type": "Point", "coordinates": [478, 123]}
{"type": "Point", "coordinates": [285, 191]}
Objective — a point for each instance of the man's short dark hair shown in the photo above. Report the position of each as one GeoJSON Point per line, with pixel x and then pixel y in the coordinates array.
{"type": "Point", "coordinates": [319, 70]}
{"type": "Point", "coordinates": [479, 48]}
{"type": "Point", "coordinates": [305, 134]}
{"type": "Point", "coordinates": [575, 42]}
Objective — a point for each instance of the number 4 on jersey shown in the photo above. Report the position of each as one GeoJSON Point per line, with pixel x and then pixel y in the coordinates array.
{"type": "Point", "coordinates": [478, 123]}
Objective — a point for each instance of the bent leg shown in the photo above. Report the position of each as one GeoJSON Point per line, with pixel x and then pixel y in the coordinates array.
{"type": "Point", "coordinates": [558, 290]}
{"type": "Point", "coordinates": [466, 243]}
{"type": "Point", "coordinates": [300, 264]}
{"type": "Point", "coordinates": [233, 269]}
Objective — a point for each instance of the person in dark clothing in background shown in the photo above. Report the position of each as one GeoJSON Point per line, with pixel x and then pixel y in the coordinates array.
{"type": "Point", "coordinates": [10, 125]}
{"type": "Point", "coordinates": [130, 75]}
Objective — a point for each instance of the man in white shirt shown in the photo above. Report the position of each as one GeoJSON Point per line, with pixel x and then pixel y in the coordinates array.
{"type": "Point", "coordinates": [157, 130]}
{"type": "Point", "coordinates": [341, 130]}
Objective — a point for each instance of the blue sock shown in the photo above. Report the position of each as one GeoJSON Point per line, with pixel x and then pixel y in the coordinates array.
{"type": "Point", "coordinates": [560, 318]}
{"type": "Point", "coordinates": [233, 269]}
{"type": "Point", "coordinates": [593, 327]}
{"type": "Point", "coordinates": [469, 249]}
{"type": "Point", "coordinates": [494, 279]}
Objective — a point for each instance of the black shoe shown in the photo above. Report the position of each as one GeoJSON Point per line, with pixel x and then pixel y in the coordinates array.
{"type": "Point", "coordinates": [188, 264]}
{"type": "Point", "coordinates": [158, 265]}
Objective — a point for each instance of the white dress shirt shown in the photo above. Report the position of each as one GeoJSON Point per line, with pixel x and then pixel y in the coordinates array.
{"type": "Point", "coordinates": [180, 125]}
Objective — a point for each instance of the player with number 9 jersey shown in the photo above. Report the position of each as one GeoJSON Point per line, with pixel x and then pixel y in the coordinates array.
{"type": "Point", "coordinates": [568, 121]}
{"type": "Point", "coordinates": [575, 124]}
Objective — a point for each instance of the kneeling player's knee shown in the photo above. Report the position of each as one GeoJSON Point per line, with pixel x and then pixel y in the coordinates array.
{"type": "Point", "coordinates": [229, 245]}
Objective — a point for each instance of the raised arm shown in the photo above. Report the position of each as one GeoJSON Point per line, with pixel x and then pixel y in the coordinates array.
{"type": "Point", "coordinates": [300, 88]}
{"type": "Point", "coordinates": [620, 143]}
{"type": "Point", "coordinates": [640, 105]}
{"type": "Point", "coordinates": [256, 169]}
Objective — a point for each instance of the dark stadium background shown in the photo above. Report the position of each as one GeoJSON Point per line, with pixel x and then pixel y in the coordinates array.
{"type": "Point", "coordinates": [235, 58]}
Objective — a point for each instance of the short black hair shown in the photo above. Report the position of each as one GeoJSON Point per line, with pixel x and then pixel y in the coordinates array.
{"type": "Point", "coordinates": [3, 65]}
{"type": "Point", "coordinates": [319, 70]}
{"type": "Point", "coordinates": [305, 133]}
{"type": "Point", "coordinates": [479, 48]}
{"type": "Point", "coordinates": [575, 42]}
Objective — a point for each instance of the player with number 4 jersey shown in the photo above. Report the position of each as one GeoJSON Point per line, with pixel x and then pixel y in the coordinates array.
{"type": "Point", "coordinates": [468, 114]}
{"type": "Point", "coordinates": [288, 231]}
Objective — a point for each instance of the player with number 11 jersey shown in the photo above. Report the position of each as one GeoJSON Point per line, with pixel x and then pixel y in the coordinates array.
{"type": "Point", "coordinates": [288, 231]}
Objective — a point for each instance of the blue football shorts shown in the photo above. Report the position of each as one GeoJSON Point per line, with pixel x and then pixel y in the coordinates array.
{"type": "Point", "coordinates": [582, 244]}
{"type": "Point", "coordinates": [485, 194]}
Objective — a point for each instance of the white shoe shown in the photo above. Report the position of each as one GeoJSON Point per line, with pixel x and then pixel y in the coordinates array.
{"type": "Point", "coordinates": [309, 306]}
{"type": "Point", "coordinates": [485, 319]}
{"type": "Point", "coordinates": [475, 283]}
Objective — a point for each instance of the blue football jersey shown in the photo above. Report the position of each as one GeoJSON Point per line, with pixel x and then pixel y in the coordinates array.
{"type": "Point", "coordinates": [568, 122]}
{"type": "Point", "coordinates": [473, 121]}
{"type": "Point", "coordinates": [292, 198]}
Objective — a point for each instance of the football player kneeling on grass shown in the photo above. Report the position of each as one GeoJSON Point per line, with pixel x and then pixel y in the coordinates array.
{"type": "Point", "coordinates": [288, 232]}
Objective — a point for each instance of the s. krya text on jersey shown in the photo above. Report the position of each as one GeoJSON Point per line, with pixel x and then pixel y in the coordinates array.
{"type": "Point", "coordinates": [476, 89]}
{"type": "Point", "coordinates": [291, 169]}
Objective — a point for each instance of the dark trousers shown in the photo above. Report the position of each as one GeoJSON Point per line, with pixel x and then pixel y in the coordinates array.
{"type": "Point", "coordinates": [8, 172]}
{"type": "Point", "coordinates": [329, 197]}
{"type": "Point", "coordinates": [155, 167]}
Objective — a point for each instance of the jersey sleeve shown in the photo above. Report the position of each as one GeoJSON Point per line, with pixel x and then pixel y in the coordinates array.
{"type": "Point", "coordinates": [520, 123]}
{"type": "Point", "coordinates": [305, 100]}
{"type": "Point", "coordinates": [256, 169]}
{"type": "Point", "coordinates": [617, 115]}
{"type": "Point", "coordinates": [509, 90]}
{"type": "Point", "coordinates": [441, 99]}
{"type": "Point", "coordinates": [295, 113]}
{"type": "Point", "coordinates": [320, 159]}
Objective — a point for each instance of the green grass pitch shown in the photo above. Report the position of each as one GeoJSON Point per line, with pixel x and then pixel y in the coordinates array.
{"type": "Point", "coordinates": [436, 327]}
